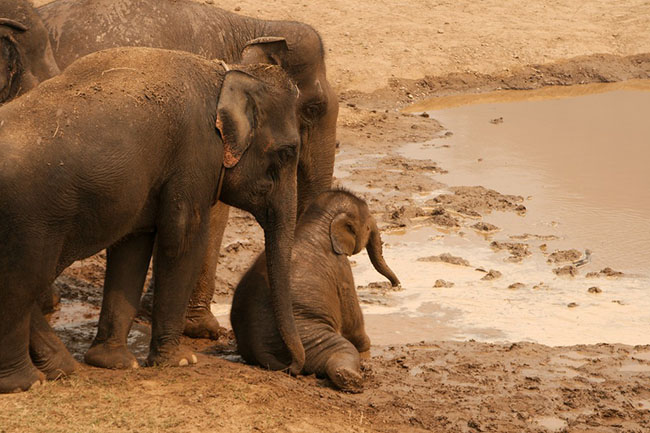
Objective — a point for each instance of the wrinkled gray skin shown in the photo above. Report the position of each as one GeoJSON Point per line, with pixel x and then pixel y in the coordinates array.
{"type": "Point", "coordinates": [79, 27]}
{"type": "Point", "coordinates": [127, 146]}
{"type": "Point", "coordinates": [25, 52]}
{"type": "Point", "coordinates": [325, 304]}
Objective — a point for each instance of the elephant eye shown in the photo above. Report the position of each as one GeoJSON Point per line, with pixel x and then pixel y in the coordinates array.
{"type": "Point", "coordinates": [313, 110]}
{"type": "Point", "coordinates": [287, 152]}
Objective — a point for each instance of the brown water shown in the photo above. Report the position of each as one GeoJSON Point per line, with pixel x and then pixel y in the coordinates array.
{"type": "Point", "coordinates": [583, 161]}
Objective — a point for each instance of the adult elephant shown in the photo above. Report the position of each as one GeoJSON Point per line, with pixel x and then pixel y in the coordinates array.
{"type": "Point", "coordinates": [79, 27]}
{"type": "Point", "coordinates": [25, 53]}
{"type": "Point", "coordinates": [127, 146]}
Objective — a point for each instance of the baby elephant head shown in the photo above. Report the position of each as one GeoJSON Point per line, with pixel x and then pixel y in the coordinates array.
{"type": "Point", "coordinates": [354, 228]}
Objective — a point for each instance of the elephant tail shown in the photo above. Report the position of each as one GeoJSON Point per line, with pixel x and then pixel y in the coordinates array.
{"type": "Point", "coordinates": [376, 257]}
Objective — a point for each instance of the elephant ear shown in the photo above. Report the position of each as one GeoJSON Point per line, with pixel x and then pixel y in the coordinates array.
{"type": "Point", "coordinates": [237, 114]}
{"type": "Point", "coordinates": [342, 234]}
{"type": "Point", "coordinates": [268, 49]}
{"type": "Point", "coordinates": [16, 25]}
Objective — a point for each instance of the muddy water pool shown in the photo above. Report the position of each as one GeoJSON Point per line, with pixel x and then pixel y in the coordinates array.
{"type": "Point", "coordinates": [580, 156]}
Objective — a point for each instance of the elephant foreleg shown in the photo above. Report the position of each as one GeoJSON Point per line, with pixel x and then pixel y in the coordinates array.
{"type": "Point", "coordinates": [199, 320]}
{"type": "Point", "coordinates": [181, 244]}
{"type": "Point", "coordinates": [126, 269]}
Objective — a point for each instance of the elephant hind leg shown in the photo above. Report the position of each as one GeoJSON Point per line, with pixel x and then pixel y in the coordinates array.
{"type": "Point", "coordinates": [344, 369]}
{"type": "Point", "coordinates": [46, 350]}
{"type": "Point", "coordinates": [329, 354]}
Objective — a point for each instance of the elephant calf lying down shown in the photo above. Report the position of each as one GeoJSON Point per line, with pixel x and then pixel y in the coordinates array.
{"type": "Point", "coordinates": [121, 150]}
{"type": "Point", "coordinates": [325, 305]}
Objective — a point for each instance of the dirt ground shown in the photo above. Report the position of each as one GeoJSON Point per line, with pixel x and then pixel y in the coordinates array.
{"type": "Point", "coordinates": [383, 56]}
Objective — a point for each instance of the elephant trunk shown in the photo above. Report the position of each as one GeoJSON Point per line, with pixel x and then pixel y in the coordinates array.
{"type": "Point", "coordinates": [278, 234]}
{"type": "Point", "coordinates": [376, 257]}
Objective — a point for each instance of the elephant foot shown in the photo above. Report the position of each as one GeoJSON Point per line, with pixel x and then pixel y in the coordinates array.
{"type": "Point", "coordinates": [178, 356]}
{"type": "Point", "coordinates": [107, 356]}
{"type": "Point", "coordinates": [55, 365]}
{"type": "Point", "coordinates": [201, 323]}
{"type": "Point", "coordinates": [347, 379]}
{"type": "Point", "coordinates": [20, 380]}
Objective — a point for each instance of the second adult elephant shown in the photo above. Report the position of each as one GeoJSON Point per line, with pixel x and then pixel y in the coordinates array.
{"type": "Point", "coordinates": [79, 27]}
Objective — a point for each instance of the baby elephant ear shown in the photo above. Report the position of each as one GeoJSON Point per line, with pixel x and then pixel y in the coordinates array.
{"type": "Point", "coordinates": [269, 49]}
{"type": "Point", "coordinates": [16, 25]}
{"type": "Point", "coordinates": [237, 114]}
{"type": "Point", "coordinates": [342, 235]}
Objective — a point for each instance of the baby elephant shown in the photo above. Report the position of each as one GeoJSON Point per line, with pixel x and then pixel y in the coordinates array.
{"type": "Point", "coordinates": [325, 305]}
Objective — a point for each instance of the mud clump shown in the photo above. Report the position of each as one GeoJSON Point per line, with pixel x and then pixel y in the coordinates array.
{"type": "Point", "coordinates": [443, 284]}
{"type": "Point", "coordinates": [564, 256]}
{"type": "Point", "coordinates": [572, 305]}
{"type": "Point", "coordinates": [528, 236]}
{"type": "Point", "coordinates": [471, 200]}
{"type": "Point", "coordinates": [402, 215]}
{"type": "Point", "coordinates": [445, 258]}
{"type": "Point", "coordinates": [607, 272]}
{"type": "Point", "coordinates": [384, 286]}
{"type": "Point", "coordinates": [442, 218]}
{"type": "Point", "coordinates": [485, 227]}
{"type": "Point", "coordinates": [594, 289]}
{"type": "Point", "coordinates": [569, 270]}
{"type": "Point", "coordinates": [491, 275]}
{"type": "Point", "coordinates": [515, 286]}
{"type": "Point", "coordinates": [518, 250]}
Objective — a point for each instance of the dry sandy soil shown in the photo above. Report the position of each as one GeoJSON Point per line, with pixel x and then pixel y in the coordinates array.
{"type": "Point", "coordinates": [382, 56]}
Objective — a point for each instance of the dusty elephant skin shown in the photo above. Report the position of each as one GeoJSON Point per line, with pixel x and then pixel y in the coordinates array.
{"type": "Point", "coordinates": [325, 304]}
{"type": "Point", "coordinates": [120, 149]}
{"type": "Point", "coordinates": [79, 27]}
{"type": "Point", "coordinates": [25, 52]}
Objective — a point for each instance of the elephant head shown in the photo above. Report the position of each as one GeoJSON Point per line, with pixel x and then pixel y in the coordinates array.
{"type": "Point", "coordinates": [257, 121]}
{"type": "Point", "coordinates": [300, 52]}
{"type": "Point", "coordinates": [353, 228]}
{"type": "Point", "coordinates": [25, 53]}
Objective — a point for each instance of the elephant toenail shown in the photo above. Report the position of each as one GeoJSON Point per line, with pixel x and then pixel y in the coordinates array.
{"type": "Point", "coordinates": [134, 364]}
{"type": "Point", "coordinates": [183, 362]}
{"type": "Point", "coordinates": [194, 360]}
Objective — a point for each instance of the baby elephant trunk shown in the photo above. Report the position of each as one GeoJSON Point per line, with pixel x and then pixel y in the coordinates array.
{"type": "Point", "coordinates": [376, 256]}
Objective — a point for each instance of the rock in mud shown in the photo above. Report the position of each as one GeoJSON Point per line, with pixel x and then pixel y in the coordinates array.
{"type": "Point", "coordinates": [607, 272]}
{"type": "Point", "coordinates": [572, 305]}
{"type": "Point", "coordinates": [515, 286]}
{"type": "Point", "coordinates": [491, 275]}
{"type": "Point", "coordinates": [445, 258]}
{"type": "Point", "coordinates": [518, 250]}
{"type": "Point", "coordinates": [566, 270]}
{"type": "Point", "coordinates": [471, 200]}
{"type": "Point", "coordinates": [443, 283]}
{"type": "Point", "coordinates": [442, 218]}
{"type": "Point", "coordinates": [485, 227]}
{"type": "Point", "coordinates": [564, 256]}
{"type": "Point", "coordinates": [594, 289]}
{"type": "Point", "coordinates": [383, 286]}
